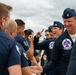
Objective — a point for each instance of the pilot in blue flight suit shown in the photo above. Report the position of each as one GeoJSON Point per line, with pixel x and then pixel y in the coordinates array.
{"type": "Point", "coordinates": [72, 63]}
{"type": "Point", "coordinates": [63, 45]}
{"type": "Point", "coordinates": [48, 44]}
{"type": "Point", "coordinates": [62, 49]}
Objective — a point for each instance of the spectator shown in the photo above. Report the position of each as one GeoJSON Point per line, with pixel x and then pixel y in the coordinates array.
{"type": "Point", "coordinates": [12, 31]}
{"type": "Point", "coordinates": [9, 56]}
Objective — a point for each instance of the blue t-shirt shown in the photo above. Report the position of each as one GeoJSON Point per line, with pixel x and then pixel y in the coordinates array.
{"type": "Point", "coordinates": [9, 55]}
{"type": "Point", "coordinates": [23, 42]}
{"type": "Point", "coordinates": [23, 55]}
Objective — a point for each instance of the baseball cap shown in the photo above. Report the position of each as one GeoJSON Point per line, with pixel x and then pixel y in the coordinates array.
{"type": "Point", "coordinates": [58, 24]}
{"type": "Point", "coordinates": [50, 28]}
{"type": "Point", "coordinates": [68, 12]}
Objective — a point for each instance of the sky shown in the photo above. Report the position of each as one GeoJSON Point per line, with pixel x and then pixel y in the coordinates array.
{"type": "Point", "coordinates": [39, 14]}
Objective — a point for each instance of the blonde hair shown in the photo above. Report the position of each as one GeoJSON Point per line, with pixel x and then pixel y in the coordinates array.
{"type": "Point", "coordinates": [3, 11]}
{"type": "Point", "coordinates": [7, 6]}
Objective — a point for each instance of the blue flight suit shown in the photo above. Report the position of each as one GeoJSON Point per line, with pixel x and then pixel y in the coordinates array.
{"type": "Point", "coordinates": [47, 53]}
{"type": "Point", "coordinates": [35, 53]}
{"type": "Point", "coordinates": [46, 45]}
{"type": "Point", "coordinates": [9, 55]}
{"type": "Point", "coordinates": [60, 54]}
{"type": "Point", "coordinates": [72, 64]}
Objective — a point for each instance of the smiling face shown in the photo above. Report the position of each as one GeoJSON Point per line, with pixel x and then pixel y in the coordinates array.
{"type": "Point", "coordinates": [70, 25]}
{"type": "Point", "coordinates": [47, 35]}
{"type": "Point", "coordinates": [57, 32]}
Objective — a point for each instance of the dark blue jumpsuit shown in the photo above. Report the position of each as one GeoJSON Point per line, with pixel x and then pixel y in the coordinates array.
{"type": "Point", "coordinates": [60, 54]}
{"type": "Point", "coordinates": [46, 45]}
{"type": "Point", "coordinates": [72, 64]}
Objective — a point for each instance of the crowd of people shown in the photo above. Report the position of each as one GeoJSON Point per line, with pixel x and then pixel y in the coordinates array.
{"type": "Point", "coordinates": [18, 55]}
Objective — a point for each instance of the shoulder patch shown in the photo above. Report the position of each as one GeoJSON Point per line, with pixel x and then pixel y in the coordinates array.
{"type": "Point", "coordinates": [66, 43]}
{"type": "Point", "coordinates": [51, 45]}
{"type": "Point", "coordinates": [25, 43]}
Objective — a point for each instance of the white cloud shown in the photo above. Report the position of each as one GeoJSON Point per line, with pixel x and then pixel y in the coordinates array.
{"type": "Point", "coordinates": [39, 12]}
{"type": "Point", "coordinates": [35, 27]}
